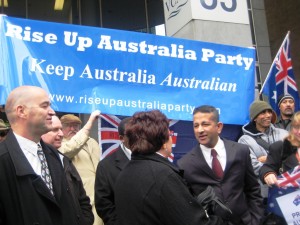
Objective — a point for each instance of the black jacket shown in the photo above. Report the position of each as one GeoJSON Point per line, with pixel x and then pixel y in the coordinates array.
{"type": "Point", "coordinates": [81, 200]}
{"type": "Point", "coordinates": [24, 197]}
{"type": "Point", "coordinates": [108, 170]}
{"type": "Point", "coordinates": [281, 155]}
{"type": "Point", "coordinates": [151, 191]}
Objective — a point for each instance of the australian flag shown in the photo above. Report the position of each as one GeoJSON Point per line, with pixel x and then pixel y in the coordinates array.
{"type": "Point", "coordinates": [290, 178]}
{"type": "Point", "coordinates": [280, 79]}
{"type": "Point", "coordinates": [287, 182]}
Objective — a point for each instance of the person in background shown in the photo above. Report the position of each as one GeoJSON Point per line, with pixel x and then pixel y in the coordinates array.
{"type": "Point", "coordinates": [259, 133]}
{"type": "Point", "coordinates": [3, 130]}
{"type": "Point", "coordinates": [150, 189]}
{"type": "Point", "coordinates": [286, 106]}
{"type": "Point", "coordinates": [84, 152]}
{"type": "Point", "coordinates": [26, 197]}
{"type": "Point", "coordinates": [107, 172]}
{"type": "Point", "coordinates": [226, 166]}
{"type": "Point", "coordinates": [81, 200]}
{"type": "Point", "coordinates": [283, 155]}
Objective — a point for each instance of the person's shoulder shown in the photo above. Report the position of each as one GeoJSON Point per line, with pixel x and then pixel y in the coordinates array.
{"type": "Point", "coordinates": [109, 158]}
{"type": "Point", "coordinates": [92, 140]}
{"type": "Point", "coordinates": [235, 145]}
{"type": "Point", "coordinates": [187, 156]}
{"type": "Point", "coordinates": [245, 137]}
{"type": "Point", "coordinates": [112, 157]}
{"type": "Point", "coordinates": [279, 129]}
{"type": "Point", "coordinates": [248, 139]}
{"type": "Point", "coordinates": [279, 143]}
{"type": "Point", "coordinates": [3, 149]}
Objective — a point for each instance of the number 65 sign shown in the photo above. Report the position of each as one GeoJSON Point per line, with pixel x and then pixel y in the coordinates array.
{"type": "Point", "coordinates": [234, 11]}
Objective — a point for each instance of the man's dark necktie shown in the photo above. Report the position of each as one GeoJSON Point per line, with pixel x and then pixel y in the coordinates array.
{"type": "Point", "coordinates": [216, 165]}
{"type": "Point", "coordinates": [45, 173]}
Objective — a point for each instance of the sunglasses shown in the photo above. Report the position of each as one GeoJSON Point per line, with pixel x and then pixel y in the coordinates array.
{"type": "Point", "coordinates": [3, 133]}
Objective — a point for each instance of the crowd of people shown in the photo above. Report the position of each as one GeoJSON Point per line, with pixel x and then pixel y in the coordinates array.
{"type": "Point", "coordinates": [51, 173]}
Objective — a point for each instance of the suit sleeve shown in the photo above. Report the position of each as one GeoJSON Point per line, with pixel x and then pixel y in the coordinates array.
{"type": "Point", "coordinates": [80, 194]}
{"type": "Point", "coordinates": [255, 152]}
{"type": "Point", "coordinates": [273, 163]}
{"type": "Point", "coordinates": [71, 147]}
{"type": "Point", "coordinates": [104, 196]}
{"type": "Point", "coordinates": [182, 207]}
{"type": "Point", "coordinates": [252, 191]}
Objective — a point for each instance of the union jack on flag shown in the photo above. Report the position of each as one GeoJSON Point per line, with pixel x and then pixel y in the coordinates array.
{"type": "Point", "coordinates": [287, 182]}
{"type": "Point", "coordinates": [280, 79]}
{"type": "Point", "coordinates": [109, 137]}
{"type": "Point", "coordinates": [108, 133]}
{"type": "Point", "coordinates": [290, 178]}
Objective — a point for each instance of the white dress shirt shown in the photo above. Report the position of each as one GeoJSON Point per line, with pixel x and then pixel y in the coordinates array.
{"type": "Point", "coordinates": [29, 149]}
{"type": "Point", "coordinates": [220, 148]}
{"type": "Point", "coordinates": [126, 151]}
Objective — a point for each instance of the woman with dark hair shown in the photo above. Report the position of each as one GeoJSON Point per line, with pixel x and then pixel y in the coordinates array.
{"type": "Point", "coordinates": [150, 189]}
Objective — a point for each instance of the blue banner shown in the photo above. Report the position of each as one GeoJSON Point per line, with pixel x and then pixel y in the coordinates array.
{"type": "Point", "coordinates": [120, 72]}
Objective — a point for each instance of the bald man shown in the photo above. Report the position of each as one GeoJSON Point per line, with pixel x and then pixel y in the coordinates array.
{"type": "Point", "coordinates": [26, 197]}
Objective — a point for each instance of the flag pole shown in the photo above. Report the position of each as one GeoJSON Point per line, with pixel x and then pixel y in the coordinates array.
{"type": "Point", "coordinates": [262, 88]}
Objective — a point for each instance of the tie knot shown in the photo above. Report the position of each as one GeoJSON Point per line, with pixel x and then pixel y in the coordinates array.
{"type": "Point", "coordinates": [214, 153]}
{"type": "Point", "coordinates": [39, 147]}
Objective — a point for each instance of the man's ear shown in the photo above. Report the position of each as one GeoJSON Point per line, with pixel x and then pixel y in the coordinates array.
{"type": "Point", "coordinates": [21, 111]}
{"type": "Point", "coordinates": [220, 127]}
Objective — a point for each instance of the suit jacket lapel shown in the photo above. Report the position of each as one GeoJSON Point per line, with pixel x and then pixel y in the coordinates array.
{"type": "Point", "coordinates": [198, 159]}
{"type": "Point", "coordinates": [23, 167]}
{"type": "Point", "coordinates": [121, 159]}
{"type": "Point", "coordinates": [230, 155]}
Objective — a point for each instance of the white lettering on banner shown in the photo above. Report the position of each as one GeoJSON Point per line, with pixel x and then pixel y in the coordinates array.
{"type": "Point", "coordinates": [174, 51]}
{"type": "Point", "coordinates": [15, 31]}
{"type": "Point", "coordinates": [213, 84]}
{"type": "Point", "coordinates": [140, 77]}
{"type": "Point", "coordinates": [83, 42]}
{"type": "Point", "coordinates": [108, 43]}
{"type": "Point", "coordinates": [59, 70]}
{"type": "Point", "coordinates": [229, 59]}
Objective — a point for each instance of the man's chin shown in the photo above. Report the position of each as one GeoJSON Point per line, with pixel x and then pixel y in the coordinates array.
{"type": "Point", "coordinates": [57, 146]}
{"type": "Point", "coordinates": [288, 113]}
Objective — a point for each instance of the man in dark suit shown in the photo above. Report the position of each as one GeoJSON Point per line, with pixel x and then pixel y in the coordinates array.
{"type": "Point", "coordinates": [230, 173]}
{"type": "Point", "coordinates": [81, 200]}
{"type": "Point", "coordinates": [107, 172]}
{"type": "Point", "coordinates": [25, 196]}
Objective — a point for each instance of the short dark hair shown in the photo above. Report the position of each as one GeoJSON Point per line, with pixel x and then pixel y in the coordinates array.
{"type": "Point", "coordinates": [121, 127]}
{"type": "Point", "coordinates": [208, 109]}
{"type": "Point", "coordinates": [147, 131]}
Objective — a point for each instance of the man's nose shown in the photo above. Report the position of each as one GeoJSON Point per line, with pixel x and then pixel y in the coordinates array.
{"type": "Point", "coordinates": [200, 128]}
{"type": "Point", "coordinates": [60, 133]}
{"type": "Point", "coordinates": [51, 111]}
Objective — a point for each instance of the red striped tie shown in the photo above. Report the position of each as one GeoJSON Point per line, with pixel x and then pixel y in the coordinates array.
{"type": "Point", "coordinates": [216, 166]}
